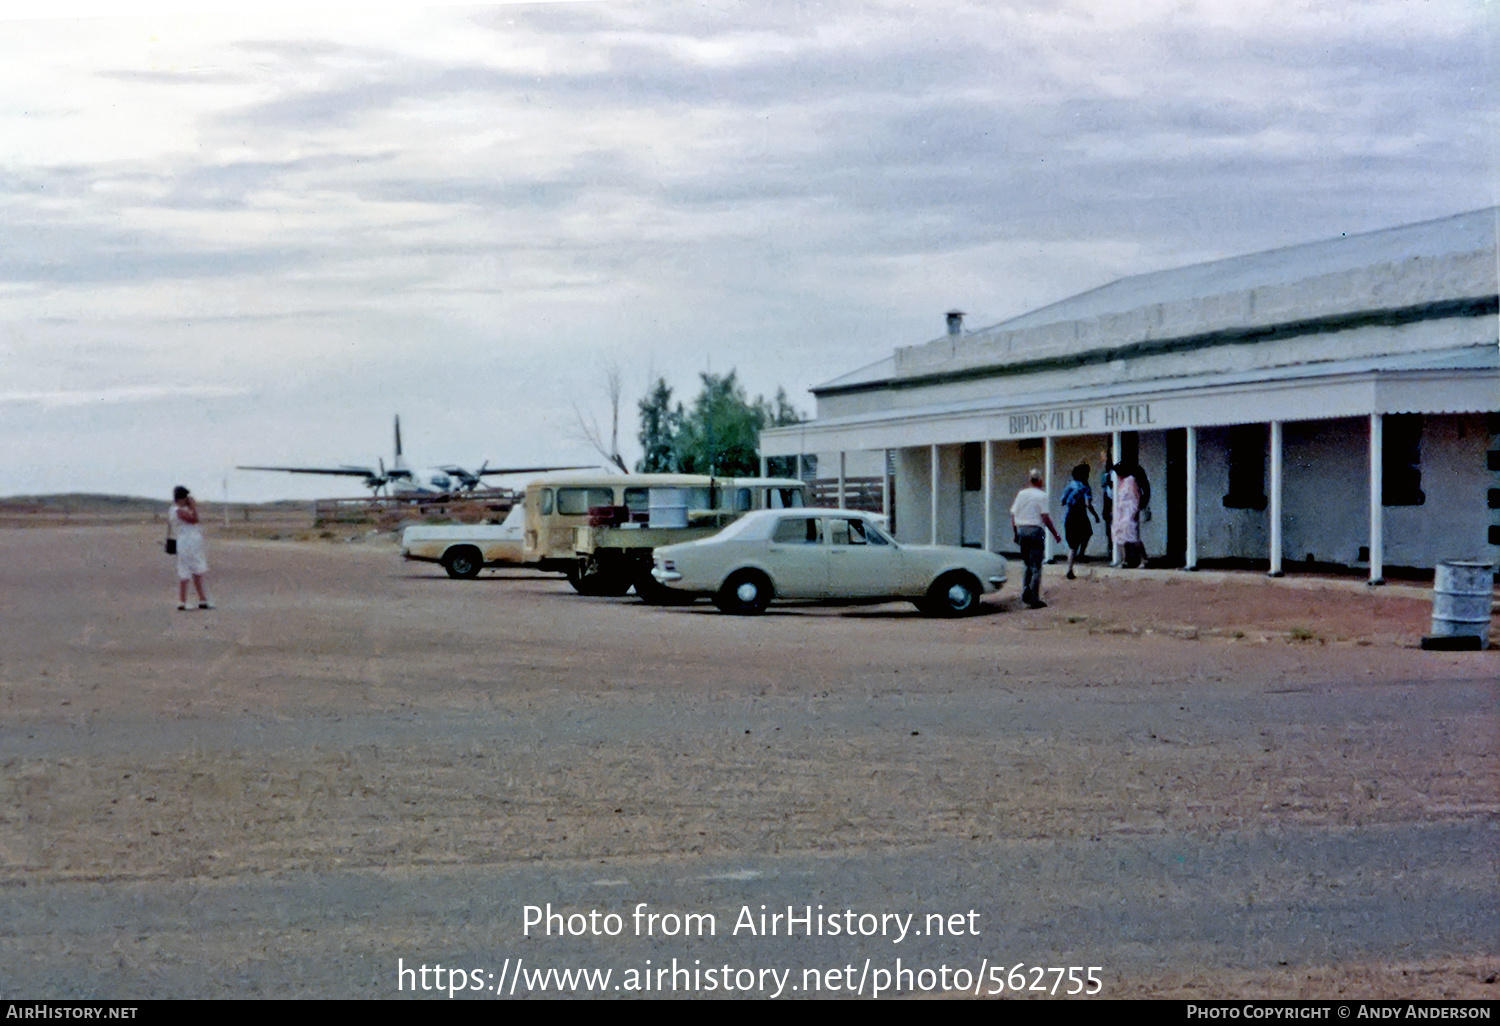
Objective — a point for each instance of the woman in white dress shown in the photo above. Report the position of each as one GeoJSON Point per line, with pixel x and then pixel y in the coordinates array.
{"type": "Point", "coordinates": [192, 559]}
{"type": "Point", "coordinates": [1125, 524]}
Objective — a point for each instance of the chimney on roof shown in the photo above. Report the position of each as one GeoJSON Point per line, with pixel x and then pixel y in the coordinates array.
{"type": "Point", "coordinates": [955, 322]}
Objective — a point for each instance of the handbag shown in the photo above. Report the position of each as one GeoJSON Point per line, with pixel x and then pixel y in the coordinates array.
{"type": "Point", "coordinates": [171, 543]}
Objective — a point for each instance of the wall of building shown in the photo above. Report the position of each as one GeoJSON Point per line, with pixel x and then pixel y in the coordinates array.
{"type": "Point", "coordinates": [1153, 459]}
{"type": "Point", "coordinates": [1454, 521]}
{"type": "Point", "coordinates": [973, 515]}
{"type": "Point", "coordinates": [1325, 497]}
{"type": "Point", "coordinates": [1013, 462]}
{"type": "Point", "coordinates": [857, 463]}
{"type": "Point", "coordinates": [913, 515]}
{"type": "Point", "coordinates": [913, 495]}
{"type": "Point", "coordinates": [1225, 533]}
{"type": "Point", "coordinates": [950, 485]}
{"type": "Point", "coordinates": [1325, 491]}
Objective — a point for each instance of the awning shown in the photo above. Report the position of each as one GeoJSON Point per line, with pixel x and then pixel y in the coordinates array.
{"type": "Point", "coordinates": [1464, 379]}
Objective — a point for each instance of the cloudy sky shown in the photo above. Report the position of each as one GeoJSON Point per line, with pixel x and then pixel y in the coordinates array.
{"type": "Point", "coordinates": [253, 238]}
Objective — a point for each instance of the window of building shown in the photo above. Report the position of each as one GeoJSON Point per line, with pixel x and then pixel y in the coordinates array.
{"type": "Point", "coordinates": [1246, 453]}
{"type": "Point", "coordinates": [784, 498]}
{"type": "Point", "coordinates": [973, 466]}
{"type": "Point", "coordinates": [1401, 460]}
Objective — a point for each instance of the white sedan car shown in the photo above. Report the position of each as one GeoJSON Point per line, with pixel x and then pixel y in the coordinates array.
{"type": "Point", "coordinates": [827, 554]}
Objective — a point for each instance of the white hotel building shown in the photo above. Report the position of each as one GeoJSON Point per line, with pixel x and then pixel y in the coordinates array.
{"type": "Point", "coordinates": [1335, 403]}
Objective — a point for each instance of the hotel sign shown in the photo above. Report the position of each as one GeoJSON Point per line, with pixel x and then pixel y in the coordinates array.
{"type": "Point", "coordinates": [1114, 417]}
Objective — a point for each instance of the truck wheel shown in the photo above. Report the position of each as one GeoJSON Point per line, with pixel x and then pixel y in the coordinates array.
{"type": "Point", "coordinates": [464, 561]}
{"type": "Point", "coordinates": [745, 593]}
{"type": "Point", "coordinates": [613, 585]}
{"type": "Point", "coordinates": [599, 583]}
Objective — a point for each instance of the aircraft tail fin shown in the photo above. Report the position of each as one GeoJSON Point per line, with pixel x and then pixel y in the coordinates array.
{"type": "Point", "coordinates": [399, 464]}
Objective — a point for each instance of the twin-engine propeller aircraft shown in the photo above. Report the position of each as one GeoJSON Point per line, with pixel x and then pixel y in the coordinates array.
{"type": "Point", "coordinates": [400, 479]}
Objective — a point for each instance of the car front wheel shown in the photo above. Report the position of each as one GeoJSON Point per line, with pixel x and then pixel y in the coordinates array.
{"type": "Point", "coordinates": [953, 594]}
{"type": "Point", "coordinates": [745, 593]}
{"type": "Point", "coordinates": [652, 592]}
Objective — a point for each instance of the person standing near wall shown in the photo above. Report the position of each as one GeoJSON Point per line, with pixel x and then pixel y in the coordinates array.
{"type": "Point", "coordinates": [1028, 518]}
{"type": "Point", "coordinates": [185, 526]}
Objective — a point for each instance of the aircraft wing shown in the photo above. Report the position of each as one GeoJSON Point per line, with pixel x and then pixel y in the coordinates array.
{"type": "Point", "coordinates": [342, 471]}
{"type": "Point", "coordinates": [528, 470]}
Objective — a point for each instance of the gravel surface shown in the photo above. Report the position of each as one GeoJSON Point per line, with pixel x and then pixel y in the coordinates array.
{"type": "Point", "coordinates": [1210, 785]}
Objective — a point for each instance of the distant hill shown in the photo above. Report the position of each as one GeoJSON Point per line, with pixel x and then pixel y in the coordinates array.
{"type": "Point", "coordinates": [91, 503]}
{"type": "Point", "coordinates": [82, 502]}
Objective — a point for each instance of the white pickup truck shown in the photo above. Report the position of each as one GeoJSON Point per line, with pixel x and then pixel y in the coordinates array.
{"type": "Point", "coordinates": [466, 549]}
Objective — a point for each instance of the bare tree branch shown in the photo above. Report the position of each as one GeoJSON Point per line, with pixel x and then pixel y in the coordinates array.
{"type": "Point", "coordinates": [612, 382]}
{"type": "Point", "coordinates": [589, 427]}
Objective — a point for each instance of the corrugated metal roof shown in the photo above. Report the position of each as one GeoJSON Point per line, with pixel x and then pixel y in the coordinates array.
{"type": "Point", "coordinates": [1449, 236]}
{"type": "Point", "coordinates": [880, 370]}
{"type": "Point", "coordinates": [1401, 275]}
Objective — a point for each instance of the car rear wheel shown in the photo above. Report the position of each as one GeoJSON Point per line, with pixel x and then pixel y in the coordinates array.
{"type": "Point", "coordinates": [745, 593]}
{"type": "Point", "coordinates": [953, 594]}
{"type": "Point", "coordinates": [464, 561]}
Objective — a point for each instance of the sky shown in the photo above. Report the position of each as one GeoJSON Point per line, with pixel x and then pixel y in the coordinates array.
{"type": "Point", "coordinates": [234, 237]}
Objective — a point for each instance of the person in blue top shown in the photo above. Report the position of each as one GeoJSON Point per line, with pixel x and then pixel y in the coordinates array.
{"type": "Point", "coordinates": [1078, 505]}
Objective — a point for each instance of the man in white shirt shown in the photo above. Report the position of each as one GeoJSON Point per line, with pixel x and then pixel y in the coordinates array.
{"type": "Point", "coordinates": [1028, 517]}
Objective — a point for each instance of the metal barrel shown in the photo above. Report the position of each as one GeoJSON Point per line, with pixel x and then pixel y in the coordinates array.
{"type": "Point", "coordinates": [668, 507]}
{"type": "Point", "coordinates": [1462, 593]}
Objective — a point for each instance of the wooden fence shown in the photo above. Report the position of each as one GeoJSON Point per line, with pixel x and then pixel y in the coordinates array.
{"type": "Point", "coordinates": [380, 509]}
{"type": "Point", "coordinates": [862, 493]}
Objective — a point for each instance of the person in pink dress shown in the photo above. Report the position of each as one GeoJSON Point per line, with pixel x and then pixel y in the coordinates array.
{"type": "Point", "coordinates": [1125, 518]}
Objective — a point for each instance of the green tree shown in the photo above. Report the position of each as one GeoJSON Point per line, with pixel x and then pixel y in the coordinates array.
{"type": "Point", "coordinates": [719, 434]}
{"type": "Point", "coordinates": [661, 424]}
{"type": "Point", "coordinates": [780, 411]}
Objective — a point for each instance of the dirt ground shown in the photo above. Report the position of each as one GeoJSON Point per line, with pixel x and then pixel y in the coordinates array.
{"type": "Point", "coordinates": [1217, 785]}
